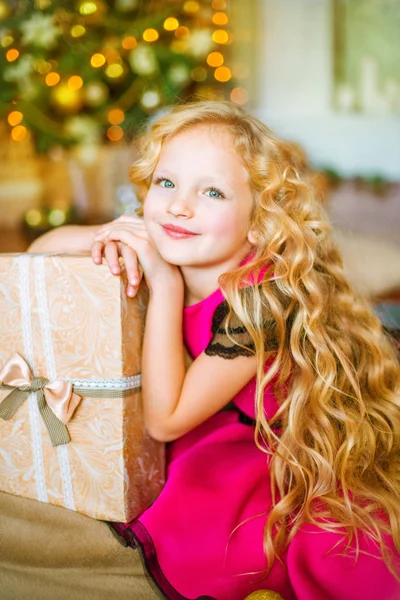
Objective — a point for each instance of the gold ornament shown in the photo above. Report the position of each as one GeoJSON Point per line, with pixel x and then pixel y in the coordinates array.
{"type": "Point", "coordinates": [65, 99]}
{"type": "Point", "coordinates": [264, 595]}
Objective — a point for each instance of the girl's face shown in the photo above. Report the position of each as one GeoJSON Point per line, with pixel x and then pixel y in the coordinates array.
{"type": "Point", "coordinates": [198, 207]}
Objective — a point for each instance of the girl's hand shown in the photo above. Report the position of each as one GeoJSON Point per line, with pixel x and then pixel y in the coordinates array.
{"type": "Point", "coordinates": [127, 237]}
{"type": "Point", "coordinates": [113, 250]}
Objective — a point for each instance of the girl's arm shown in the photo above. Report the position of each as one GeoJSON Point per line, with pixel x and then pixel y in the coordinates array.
{"type": "Point", "coordinates": [77, 239]}
{"type": "Point", "coordinates": [176, 400]}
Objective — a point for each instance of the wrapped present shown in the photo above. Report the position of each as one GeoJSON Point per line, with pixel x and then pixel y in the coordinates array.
{"type": "Point", "coordinates": [71, 421]}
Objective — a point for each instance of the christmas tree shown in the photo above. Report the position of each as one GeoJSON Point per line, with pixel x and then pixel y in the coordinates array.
{"type": "Point", "coordinates": [88, 71]}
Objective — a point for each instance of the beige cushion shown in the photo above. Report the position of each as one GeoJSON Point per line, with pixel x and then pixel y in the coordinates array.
{"type": "Point", "coordinates": [51, 553]}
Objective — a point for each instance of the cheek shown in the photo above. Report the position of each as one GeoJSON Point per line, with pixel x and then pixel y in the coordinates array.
{"type": "Point", "coordinates": [230, 223]}
{"type": "Point", "coordinates": [148, 207]}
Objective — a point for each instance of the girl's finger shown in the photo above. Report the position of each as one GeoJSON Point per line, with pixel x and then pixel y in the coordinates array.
{"type": "Point", "coordinates": [97, 252]}
{"type": "Point", "coordinates": [111, 255]}
{"type": "Point", "coordinates": [131, 265]}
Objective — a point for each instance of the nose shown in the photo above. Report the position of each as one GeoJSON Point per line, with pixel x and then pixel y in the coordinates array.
{"type": "Point", "coordinates": [180, 206]}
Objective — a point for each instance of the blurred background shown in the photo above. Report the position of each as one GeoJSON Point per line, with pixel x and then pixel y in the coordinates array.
{"type": "Point", "coordinates": [81, 78]}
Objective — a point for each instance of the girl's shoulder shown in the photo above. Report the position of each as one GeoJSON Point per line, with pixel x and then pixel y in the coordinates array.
{"type": "Point", "coordinates": [212, 325]}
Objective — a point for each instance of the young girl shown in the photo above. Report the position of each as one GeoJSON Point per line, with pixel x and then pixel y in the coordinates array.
{"type": "Point", "coordinates": [283, 454]}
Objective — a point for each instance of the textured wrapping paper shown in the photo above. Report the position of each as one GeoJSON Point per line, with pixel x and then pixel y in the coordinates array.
{"type": "Point", "coordinates": [71, 320]}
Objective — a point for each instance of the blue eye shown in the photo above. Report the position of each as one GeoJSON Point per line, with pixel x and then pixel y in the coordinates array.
{"type": "Point", "coordinates": [166, 183]}
{"type": "Point", "coordinates": [163, 182]}
{"type": "Point", "coordinates": [214, 193]}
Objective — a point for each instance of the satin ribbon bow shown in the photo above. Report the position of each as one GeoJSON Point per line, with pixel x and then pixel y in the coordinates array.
{"type": "Point", "coordinates": [56, 400]}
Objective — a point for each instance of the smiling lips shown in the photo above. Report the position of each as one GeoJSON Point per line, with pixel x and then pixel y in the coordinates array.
{"type": "Point", "coordinates": [178, 232]}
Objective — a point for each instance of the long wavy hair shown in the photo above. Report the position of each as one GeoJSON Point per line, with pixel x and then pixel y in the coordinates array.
{"type": "Point", "coordinates": [337, 462]}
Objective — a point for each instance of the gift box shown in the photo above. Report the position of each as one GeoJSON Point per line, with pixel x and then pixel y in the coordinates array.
{"type": "Point", "coordinates": [71, 420]}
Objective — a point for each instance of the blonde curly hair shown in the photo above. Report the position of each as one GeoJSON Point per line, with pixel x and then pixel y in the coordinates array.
{"type": "Point", "coordinates": [337, 462]}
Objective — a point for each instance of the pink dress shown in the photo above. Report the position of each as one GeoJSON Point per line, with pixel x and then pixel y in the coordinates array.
{"type": "Point", "coordinates": [203, 537]}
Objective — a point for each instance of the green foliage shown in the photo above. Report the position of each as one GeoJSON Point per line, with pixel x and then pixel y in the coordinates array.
{"type": "Point", "coordinates": [60, 37]}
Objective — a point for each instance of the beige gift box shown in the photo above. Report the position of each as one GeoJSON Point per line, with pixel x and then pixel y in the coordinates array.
{"type": "Point", "coordinates": [71, 321]}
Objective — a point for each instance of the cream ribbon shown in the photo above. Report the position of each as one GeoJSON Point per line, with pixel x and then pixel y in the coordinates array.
{"type": "Point", "coordinates": [56, 400]}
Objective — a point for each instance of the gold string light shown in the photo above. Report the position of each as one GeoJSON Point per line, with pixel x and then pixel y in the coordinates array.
{"type": "Point", "coordinates": [129, 42]}
{"type": "Point", "coordinates": [223, 74]}
{"type": "Point", "coordinates": [215, 59]}
{"type": "Point", "coordinates": [150, 35]}
{"type": "Point", "coordinates": [220, 36]}
{"type": "Point", "coordinates": [52, 78]}
{"type": "Point", "coordinates": [15, 117]}
{"type": "Point", "coordinates": [115, 133]}
{"type": "Point", "coordinates": [18, 133]}
{"type": "Point", "coordinates": [115, 116]}
{"type": "Point", "coordinates": [220, 18]}
{"type": "Point", "coordinates": [97, 60]}
{"type": "Point", "coordinates": [75, 82]}
{"type": "Point", "coordinates": [12, 54]}
{"type": "Point", "coordinates": [171, 24]}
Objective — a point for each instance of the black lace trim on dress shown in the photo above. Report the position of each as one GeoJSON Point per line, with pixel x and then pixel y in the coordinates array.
{"type": "Point", "coordinates": [240, 342]}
